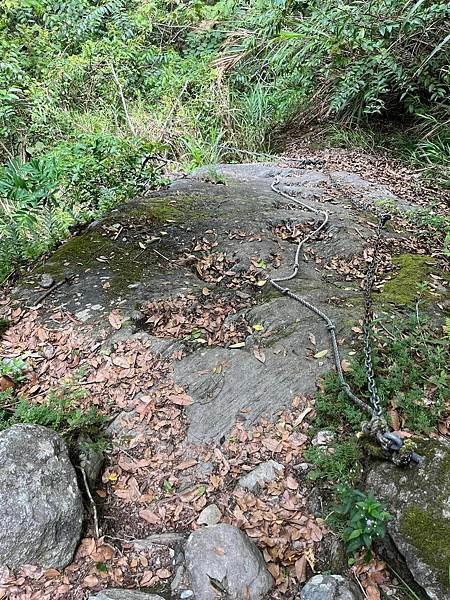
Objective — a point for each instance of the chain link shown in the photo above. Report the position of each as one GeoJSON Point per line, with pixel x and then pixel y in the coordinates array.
{"type": "Point", "coordinates": [377, 426]}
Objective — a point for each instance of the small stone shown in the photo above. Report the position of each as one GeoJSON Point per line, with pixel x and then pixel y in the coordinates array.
{"type": "Point", "coordinates": [263, 473]}
{"type": "Point", "coordinates": [210, 515]}
{"type": "Point", "coordinates": [91, 459]}
{"type": "Point", "coordinates": [324, 438]}
{"type": "Point", "coordinates": [330, 587]}
{"type": "Point", "coordinates": [46, 281]}
{"type": "Point", "coordinates": [186, 594]}
{"type": "Point", "coordinates": [222, 552]}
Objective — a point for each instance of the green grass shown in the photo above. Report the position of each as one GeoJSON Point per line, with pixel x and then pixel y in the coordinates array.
{"type": "Point", "coordinates": [411, 365]}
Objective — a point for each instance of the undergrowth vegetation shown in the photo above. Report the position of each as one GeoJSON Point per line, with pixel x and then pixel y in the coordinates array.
{"type": "Point", "coordinates": [94, 92]}
{"type": "Point", "coordinates": [411, 360]}
{"type": "Point", "coordinates": [59, 411]}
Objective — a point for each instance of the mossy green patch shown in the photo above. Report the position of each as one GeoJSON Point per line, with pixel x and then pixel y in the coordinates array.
{"type": "Point", "coordinates": [412, 271]}
{"type": "Point", "coordinates": [430, 534]}
{"type": "Point", "coordinates": [159, 210]}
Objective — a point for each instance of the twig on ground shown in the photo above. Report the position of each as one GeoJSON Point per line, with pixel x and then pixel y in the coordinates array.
{"type": "Point", "coordinates": [162, 256]}
{"type": "Point", "coordinates": [91, 500]}
{"type": "Point", "coordinates": [54, 287]}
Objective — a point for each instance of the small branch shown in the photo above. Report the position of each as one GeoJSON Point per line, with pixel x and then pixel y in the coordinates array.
{"type": "Point", "coordinates": [122, 97]}
{"type": "Point", "coordinates": [162, 256]}
{"type": "Point", "coordinates": [54, 287]}
{"type": "Point", "coordinates": [91, 500]}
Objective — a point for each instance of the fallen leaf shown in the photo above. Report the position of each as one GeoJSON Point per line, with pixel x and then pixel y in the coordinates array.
{"type": "Point", "coordinates": [345, 365]}
{"type": "Point", "coordinates": [149, 516]}
{"type": "Point", "coordinates": [115, 319]}
{"type": "Point", "coordinates": [90, 581]}
{"type": "Point", "coordinates": [182, 399]}
{"type": "Point", "coordinates": [300, 569]}
{"type": "Point", "coordinates": [238, 345]}
{"type": "Point", "coordinates": [373, 593]}
{"type": "Point", "coordinates": [219, 551]}
{"type": "Point", "coordinates": [163, 573]}
{"type": "Point", "coordinates": [259, 355]}
{"type": "Point", "coordinates": [6, 383]}
{"type": "Point", "coordinates": [291, 483]}
{"type": "Point", "coordinates": [321, 354]}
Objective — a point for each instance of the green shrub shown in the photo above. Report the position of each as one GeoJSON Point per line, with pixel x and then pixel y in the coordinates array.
{"type": "Point", "coordinates": [59, 411]}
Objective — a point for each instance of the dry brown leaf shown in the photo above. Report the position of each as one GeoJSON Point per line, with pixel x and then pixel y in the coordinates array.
{"type": "Point", "coordinates": [149, 516]}
{"type": "Point", "coordinates": [6, 383]}
{"type": "Point", "coordinates": [345, 365]}
{"type": "Point", "coordinates": [395, 418]}
{"type": "Point", "coordinates": [259, 355]}
{"type": "Point", "coordinates": [90, 581]}
{"type": "Point", "coordinates": [291, 483]}
{"type": "Point", "coordinates": [115, 319]}
{"type": "Point", "coordinates": [219, 551]}
{"type": "Point", "coordinates": [300, 569]}
{"type": "Point", "coordinates": [181, 399]}
{"type": "Point", "coordinates": [373, 593]}
{"type": "Point", "coordinates": [163, 573]}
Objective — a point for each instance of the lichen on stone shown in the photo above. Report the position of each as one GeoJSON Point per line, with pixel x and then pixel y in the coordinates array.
{"type": "Point", "coordinates": [430, 534]}
{"type": "Point", "coordinates": [412, 271]}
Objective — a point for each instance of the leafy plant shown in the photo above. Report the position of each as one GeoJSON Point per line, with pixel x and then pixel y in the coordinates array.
{"type": "Point", "coordinates": [364, 519]}
{"type": "Point", "coordinates": [59, 411]}
{"type": "Point", "coordinates": [13, 368]}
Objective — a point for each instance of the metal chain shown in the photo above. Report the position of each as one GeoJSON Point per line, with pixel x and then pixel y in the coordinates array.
{"type": "Point", "coordinates": [377, 427]}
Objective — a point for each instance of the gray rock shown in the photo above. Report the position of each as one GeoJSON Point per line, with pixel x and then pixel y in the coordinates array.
{"type": "Point", "coordinates": [330, 587]}
{"type": "Point", "coordinates": [323, 438]}
{"type": "Point", "coordinates": [91, 460]}
{"type": "Point", "coordinates": [119, 594]}
{"type": "Point", "coordinates": [46, 281]}
{"type": "Point", "coordinates": [210, 515]}
{"type": "Point", "coordinates": [263, 473]}
{"type": "Point", "coordinates": [418, 497]}
{"type": "Point", "coordinates": [226, 556]}
{"type": "Point", "coordinates": [40, 504]}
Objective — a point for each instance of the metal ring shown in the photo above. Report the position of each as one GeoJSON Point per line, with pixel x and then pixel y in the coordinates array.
{"type": "Point", "coordinates": [395, 441]}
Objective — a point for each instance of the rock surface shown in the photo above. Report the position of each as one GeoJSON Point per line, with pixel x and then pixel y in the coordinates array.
{"type": "Point", "coordinates": [119, 594]}
{"type": "Point", "coordinates": [148, 261]}
{"type": "Point", "coordinates": [330, 587]}
{"type": "Point", "coordinates": [223, 557]}
{"type": "Point", "coordinates": [262, 474]}
{"type": "Point", "coordinates": [40, 504]}
{"type": "Point", "coordinates": [419, 500]}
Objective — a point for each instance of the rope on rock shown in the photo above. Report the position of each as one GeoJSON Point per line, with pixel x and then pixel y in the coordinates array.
{"type": "Point", "coordinates": [377, 427]}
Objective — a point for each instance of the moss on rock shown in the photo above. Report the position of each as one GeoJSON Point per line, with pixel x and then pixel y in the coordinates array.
{"type": "Point", "coordinates": [412, 271]}
{"type": "Point", "coordinates": [430, 534]}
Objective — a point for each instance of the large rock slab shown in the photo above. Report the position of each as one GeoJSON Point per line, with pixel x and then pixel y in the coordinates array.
{"type": "Point", "coordinates": [222, 559]}
{"type": "Point", "coordinates": [40, 504]}
{"type": "Point", "coordinates": [330, 587]}
{"type": "Point", "coordinates": [144, 250]}
{"type": "Point", "coordinates": [419, 500]}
